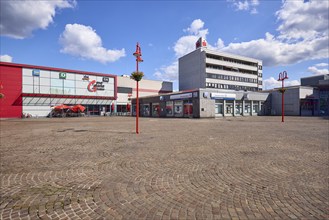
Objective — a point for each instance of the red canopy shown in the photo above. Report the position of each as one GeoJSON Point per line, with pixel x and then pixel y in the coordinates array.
{"type": "Point", "coordinates": [78, 108]}
{"type": "Point", "coordinates": [61, 107]}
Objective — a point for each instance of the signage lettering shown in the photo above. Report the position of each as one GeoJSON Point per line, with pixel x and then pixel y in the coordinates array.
{"type": "Point", "coordinates": [106, 79]}
{"type": "Point", "coordinates": [225, 96]}
{"type": "Point", "coordinates": [93, 86]}
{"type": "Point", "coordinates": [181, 96]}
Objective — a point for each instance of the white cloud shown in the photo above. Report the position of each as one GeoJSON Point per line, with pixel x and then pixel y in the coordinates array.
{"type": "Point", "coordinates": [167, 73]}
{"type": "Point", "coordinates": [196, 28]}
{"type": "Point", "coordinates": [316, 71]}
{"type": "Point", "coordinates": [271, 83]}
{"type": "Point", "coordinates": [246, 5]}
{"type": "Point", "coordinates": [18, 19]}
{"type": "Point", "coordinates": [321, 64]}
{"type": "Point", "coordinates": [185, 45]}
{"type": "Point", "coordinates": [275, 52]}
{"type": "Point", "coordinates": [303, 20]}
{"type": "Point", "coordinates": [300, 38]}
{"type": "Point", "coordinates": [6, 58]}
{"type": "Point", "coordinates": [82, 41]}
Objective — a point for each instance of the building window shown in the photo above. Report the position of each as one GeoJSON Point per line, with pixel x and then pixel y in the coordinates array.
{"type": "Point", "coordinates": [178, 108]}
{"type": "Point", "coordinates": [255, 107]}
{"type": "Point", "coordinates": [170, 108]}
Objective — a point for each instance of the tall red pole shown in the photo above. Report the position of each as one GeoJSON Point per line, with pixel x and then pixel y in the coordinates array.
{"type": "Point", "coordinates": [282, 76]}
{"type": "Point", "coordinates": [282, 101]}
{"type": "Point", "coordinates": [137, 101]}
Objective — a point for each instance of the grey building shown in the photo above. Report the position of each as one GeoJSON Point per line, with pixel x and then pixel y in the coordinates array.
{"type": "Point", "coordinates": [204, 68]}
{"type": "Point", "coordinates": [202, 103]}
{"type": "Point", "coordinates": [311, 98]}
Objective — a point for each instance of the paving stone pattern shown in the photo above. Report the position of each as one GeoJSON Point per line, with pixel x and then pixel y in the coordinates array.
{"type": "Point", "coordinates": [230, 168]}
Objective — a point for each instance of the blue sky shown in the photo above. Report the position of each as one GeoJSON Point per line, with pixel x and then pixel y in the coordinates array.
{"type": "Point", "coordinates": [101, 36]}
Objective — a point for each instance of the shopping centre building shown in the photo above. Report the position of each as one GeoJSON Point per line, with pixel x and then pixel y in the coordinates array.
{"type": "Point", "coordinates": [35, 90]}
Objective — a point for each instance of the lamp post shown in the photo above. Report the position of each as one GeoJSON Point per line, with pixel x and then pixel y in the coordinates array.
{"type": "Point", "coordinates": [137, 76]}
{"type": "Point", "coordinates": [282, 76]}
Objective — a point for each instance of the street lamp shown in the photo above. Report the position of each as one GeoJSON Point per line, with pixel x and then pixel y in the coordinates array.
{"type": "Point", "coordinates": [137, 76]}
{"type": "Point", "coordinates": [282, 76]}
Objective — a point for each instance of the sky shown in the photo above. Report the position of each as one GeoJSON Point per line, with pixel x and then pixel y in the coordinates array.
{"type": "Point", "coordinates": [101, 36]}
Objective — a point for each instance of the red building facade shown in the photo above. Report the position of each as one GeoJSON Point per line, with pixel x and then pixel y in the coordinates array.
{"type": "Point", "coordinates": [36, 89]}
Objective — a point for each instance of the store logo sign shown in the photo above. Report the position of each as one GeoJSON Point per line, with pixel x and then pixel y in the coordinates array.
{"type": "Point", "coordinates": [93, 86]}
{"type": "Point", "coordinates": [35, 72]}
{"type": "Point", "coordinates": [85, 77]}
{"type": "Point", "coordinates": [106, 79]}
{"type": "Point", "coordinates": [62, 75]}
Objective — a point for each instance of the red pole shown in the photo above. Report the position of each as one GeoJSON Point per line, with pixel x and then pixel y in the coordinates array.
{"type": "Point", "coordinates": [137, 101]}
{"type": "Point", "coordinates": [282, 101]}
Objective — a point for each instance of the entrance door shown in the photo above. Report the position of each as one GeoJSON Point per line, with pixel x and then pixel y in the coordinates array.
{"type": "Point", "coordinates": [219, 107]}
{"type": "Point", "coordinates": [188, 110]}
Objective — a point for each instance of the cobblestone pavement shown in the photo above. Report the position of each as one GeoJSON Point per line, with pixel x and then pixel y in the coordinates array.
{"type": "Point", "coordinates": [230, 168]}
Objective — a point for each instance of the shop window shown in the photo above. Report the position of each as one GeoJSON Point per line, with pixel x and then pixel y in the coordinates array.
{"type": "Point", "coordinates": [238, 109]}
{"type": "Point", "coordinates": [247, 108]}
{"type": "Point", "coordinates": [178, 108]}
{"type": "Point", "coordinates": [188, 108]}
{"type": "Point", "coordinates": [218, 108]}
{"type": "Point", "coordinates": [229, 108]}
{"type": "Point", "coordinates": [169, 108]}
{"type": "Point", "coordinates": [255, 108]}
{"type": "Point", "coordinates": [155, 110]}
{"type": "Point", "coordinates": [146, 110]}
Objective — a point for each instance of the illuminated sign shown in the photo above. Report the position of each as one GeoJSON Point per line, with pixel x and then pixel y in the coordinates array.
{"type": "Point", "coordinates": [62, 75]}
{"type": "Point", "coordinates": [35, 72]}
{"type": "Point", "coordinates": [93, 86]}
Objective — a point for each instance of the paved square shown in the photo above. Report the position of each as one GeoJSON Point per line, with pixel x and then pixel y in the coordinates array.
{"type": "Point", "coordinates": [230, 168]}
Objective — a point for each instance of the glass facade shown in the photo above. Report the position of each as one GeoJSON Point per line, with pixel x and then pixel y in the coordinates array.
{"type": "Point", "coordinates": [178, 108]}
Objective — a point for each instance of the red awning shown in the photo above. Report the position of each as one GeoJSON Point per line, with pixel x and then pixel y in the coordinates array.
{"type": "Point", "coordinates": [61, 107]}
{"type": "Point", "coordinates": [78, 108]}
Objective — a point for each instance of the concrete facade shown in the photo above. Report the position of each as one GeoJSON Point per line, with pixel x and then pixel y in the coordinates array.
{"type": "Point", "coordinates": [127, 91]}
{"type": "Point", "coordinates": [203, 103]}
{"type": "Point", "coordinates": [309, 99]}
{"type": "Point", "coordinates": [204, 68]}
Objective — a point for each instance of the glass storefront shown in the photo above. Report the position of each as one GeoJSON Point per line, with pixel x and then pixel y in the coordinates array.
{"type": "Point", "coordinates": [255, 107]}
{"type": "Point", "coordinates": [247, 108]}
{"type": "Point", "coordinates": [178, 108]}
{"type": "Point", "coordinates": [145, 110]}
{"type": "Point", "coordinates": [188, 108]}
{"type": "Point", "coordinates": [169, 108]}
{"type": "Point", "coordinates": [218, 107]}
{"type": "Point", "coordinates": [155, 110]}
{"type": "Point", "coordinates": [238, 108]}
{"type": "Point", "coordinates": [229, 108]}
